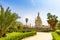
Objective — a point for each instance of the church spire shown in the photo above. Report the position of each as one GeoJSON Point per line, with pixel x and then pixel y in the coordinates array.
{"type": "Point", "coordinates": [38, 21]}
{"type": "Point", "coordinates": [38, 13]}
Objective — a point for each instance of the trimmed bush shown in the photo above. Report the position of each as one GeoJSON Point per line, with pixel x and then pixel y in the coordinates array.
{"type": "Point", "coordinates": [45, 30]}
{"type": "Point", "coordinates": [58, 32]}
{"type": "Point", "coordinates": [18, 36]}
{"type": "Point", "coordinates": [55, 36]}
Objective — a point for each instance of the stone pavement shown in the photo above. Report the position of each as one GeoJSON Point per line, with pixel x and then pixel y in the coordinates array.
{"type": "Point", "coordinates": [40, 36]}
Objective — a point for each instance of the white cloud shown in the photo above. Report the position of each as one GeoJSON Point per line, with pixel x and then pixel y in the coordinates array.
{"type": "Point", "coordinates": [48, 6]}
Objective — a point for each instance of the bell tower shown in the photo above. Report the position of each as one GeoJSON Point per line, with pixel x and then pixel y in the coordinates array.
{"type": "Point", "coordinates": [38, 21]}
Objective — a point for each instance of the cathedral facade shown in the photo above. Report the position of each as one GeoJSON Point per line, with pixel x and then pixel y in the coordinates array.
{"type": "Point", "coordinates": [38, 22]}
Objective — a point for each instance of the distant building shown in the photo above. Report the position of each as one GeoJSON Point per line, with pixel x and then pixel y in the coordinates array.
{"type": "Point", "coordinates": [38, 25]}
{"type": "Point", "coordinates": [38, 22]}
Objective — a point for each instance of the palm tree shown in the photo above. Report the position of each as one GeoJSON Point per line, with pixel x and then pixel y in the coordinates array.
{"type": "Point", "coordinates": [52, 20]}
{"type": "Point", "coordinates": [26, 19]}
{"type": "Point", "coordinates": [7, 19]}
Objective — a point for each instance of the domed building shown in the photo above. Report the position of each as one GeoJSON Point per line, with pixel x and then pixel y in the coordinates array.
{"type": "Point", "coordinates": [38, 22]}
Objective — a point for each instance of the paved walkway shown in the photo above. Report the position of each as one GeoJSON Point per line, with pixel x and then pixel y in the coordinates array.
{"type": "Point", "coordinates": [40, 36]}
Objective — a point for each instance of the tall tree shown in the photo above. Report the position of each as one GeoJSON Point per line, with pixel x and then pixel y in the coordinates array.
{"type": "Point", "coordinates": [52, 20]}
{"type": "Point", "coordinates": [7, 19]}
{"type": "Point", "coordinates": [26, 19]}
{"type": "Point", "coordinates": [17, 27]}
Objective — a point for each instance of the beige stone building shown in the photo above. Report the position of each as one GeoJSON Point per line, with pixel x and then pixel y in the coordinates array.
{"type": "Point", "coordinates": [38, 22]}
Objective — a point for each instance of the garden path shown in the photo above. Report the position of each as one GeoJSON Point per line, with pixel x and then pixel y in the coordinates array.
{"type": "Point", "coordinates": [40, 36]}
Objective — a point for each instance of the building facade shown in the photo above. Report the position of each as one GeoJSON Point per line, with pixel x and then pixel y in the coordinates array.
{"type": "Point", "coordinates": [38, 22]}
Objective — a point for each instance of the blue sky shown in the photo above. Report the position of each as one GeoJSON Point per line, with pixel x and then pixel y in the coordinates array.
{"type": "Point", "coordinates": [30, 8]}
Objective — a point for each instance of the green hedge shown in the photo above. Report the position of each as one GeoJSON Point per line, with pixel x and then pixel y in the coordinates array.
{"type": "Point", "coordinates": [55, 36]}
{"type": "Point", "coordinates": [18, 36]}
{"type": "Point", "coordinates": [58, 32]}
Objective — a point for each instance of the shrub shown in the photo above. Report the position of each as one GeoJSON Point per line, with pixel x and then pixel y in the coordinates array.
{"type": "Point", "coordinates": [58, 32]}
{"type": "Point", "coordinates": [55, 36]}
{"type": "Point", "coordinates": [18, 36]}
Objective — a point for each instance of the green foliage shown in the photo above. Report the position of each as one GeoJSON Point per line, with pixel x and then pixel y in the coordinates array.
{"type": "Point", "coordinates": [26, 19]}
{"type": "Point", "coordinates": [7, 19]}
{"type": "Point", "coordinates": [55, 36]}
{"type": "Point", "coordinates": [58, 32]}
{"type": "Point", "coordinates": [52, 20]}
{"type": "Point", "coordinates": [18, 36]}
{"type": "Point", "coordinates": [58, 25]}
{"type": "Point", "coordinates": [18, 27]}
{"type": "Point", "coordinates": [45, 30]}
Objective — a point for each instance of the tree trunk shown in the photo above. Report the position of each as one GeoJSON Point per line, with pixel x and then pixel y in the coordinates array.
{"type": "Point", "coordinates": [2, 34]}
